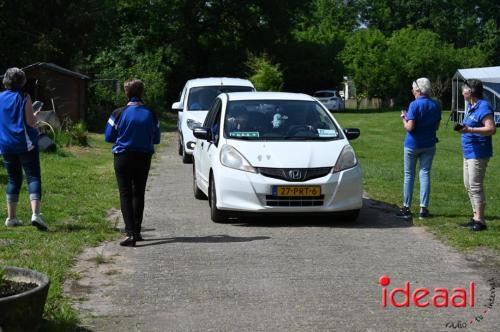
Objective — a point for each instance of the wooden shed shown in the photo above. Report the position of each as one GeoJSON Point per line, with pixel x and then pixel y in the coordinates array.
{"type": "Point", "coordinates": [58, 88]}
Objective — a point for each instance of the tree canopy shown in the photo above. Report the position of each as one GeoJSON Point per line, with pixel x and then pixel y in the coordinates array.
{"type": "Point", "coordinates": [303, 45]}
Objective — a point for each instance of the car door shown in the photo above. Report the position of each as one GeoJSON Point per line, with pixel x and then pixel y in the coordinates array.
{"type": "Point", "coordinates": [208, 149]}
{"type": "Point", "coordinates": [182, 101]}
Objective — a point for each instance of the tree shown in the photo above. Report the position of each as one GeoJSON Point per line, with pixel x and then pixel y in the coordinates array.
{"type": "Point", "coordinates": [364, 57]}
{"type": "Point", "coordinates": [265, 75]}
{"type": "Point", "coordinates": [414, 53]}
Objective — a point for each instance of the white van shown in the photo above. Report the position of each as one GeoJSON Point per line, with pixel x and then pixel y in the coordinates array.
{"type": "Point", "coordinates": [196, 98]}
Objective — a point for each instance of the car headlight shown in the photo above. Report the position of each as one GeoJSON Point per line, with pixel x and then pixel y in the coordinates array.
{"type": "Point", "coordinates": [193, 123]}
{"type": "Point", "coordinates": [347, 159]}
{"type": "Point", "coordinates": [230, 157]}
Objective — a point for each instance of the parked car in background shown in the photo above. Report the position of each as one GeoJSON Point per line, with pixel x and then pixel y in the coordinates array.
{"type": "Point", "coordinates": [196, 98]}
{"type": "Point", "coordinates": [331, 99]}
{"type": "Point", "coordinates": [275, 152]}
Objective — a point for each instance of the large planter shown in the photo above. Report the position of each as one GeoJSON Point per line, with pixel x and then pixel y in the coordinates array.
{"type": "Point", "coordinates": [23, 312]}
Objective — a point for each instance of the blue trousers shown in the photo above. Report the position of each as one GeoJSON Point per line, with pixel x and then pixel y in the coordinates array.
{"type": "Point", "coordinates": [425, 157]}
{"type": "Point", "coordinates": [15, 163]}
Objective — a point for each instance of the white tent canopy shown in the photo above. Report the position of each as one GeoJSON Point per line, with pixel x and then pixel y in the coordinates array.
{"type": "Point", "coordinates": [490, 76]}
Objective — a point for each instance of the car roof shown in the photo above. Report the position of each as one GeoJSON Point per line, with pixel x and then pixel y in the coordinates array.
{"type": "Point", "coordinates": [214, 81]}
{"type": "Point", "coordinates": [268, 96]}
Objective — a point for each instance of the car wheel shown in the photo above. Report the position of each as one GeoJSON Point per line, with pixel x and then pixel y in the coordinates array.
{"type": "Point", "coordinates": [198, 194]}
{"type": "Point", "coordinates": [186, 158]}
{"type": "Point", "coordinates": [181, 149]}
{"type": "Point", "coordinates": [217, 215]}
{"type": "Point", "coordinates": [350, 216]}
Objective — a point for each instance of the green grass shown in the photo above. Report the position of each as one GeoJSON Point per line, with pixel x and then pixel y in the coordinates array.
{"type": "Point", "coordinates": [79, 187]}
{"type": "Point", "coordinates": [380, 151]}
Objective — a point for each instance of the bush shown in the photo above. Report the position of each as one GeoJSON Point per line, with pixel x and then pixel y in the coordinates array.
{"type": "Point", "coordinates": [72, 134]}
{"type": "Point", "coordinates": [265, 75]}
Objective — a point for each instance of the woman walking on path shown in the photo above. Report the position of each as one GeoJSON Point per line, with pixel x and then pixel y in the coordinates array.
{"type": "Point", "coordinates": [477, 148]}
{"type": "Point", "coordinates": [134, 129]}
{"type": "Point", "coordinates": [421, 123]}
{"type": "Point", "coordinates": [19, 147]}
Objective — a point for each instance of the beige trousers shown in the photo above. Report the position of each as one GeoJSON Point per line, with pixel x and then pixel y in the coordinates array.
{"type": "Point", "coordinates": [474, 172]}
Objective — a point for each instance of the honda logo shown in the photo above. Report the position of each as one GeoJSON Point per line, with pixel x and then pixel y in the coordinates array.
{"type": "Point", "coordinates": [295, 174]}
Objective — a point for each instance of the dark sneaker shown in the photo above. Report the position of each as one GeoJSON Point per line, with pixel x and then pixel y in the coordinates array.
{"type": "Point", "coordinates": [404, 213]}
{"type": "Point", "coordinates": [479, 226]}
{"type": "Point", "coordinates": [129, 241]}
{"type": "Point", "coordinates": [424, 213]}
{"type": "Point", "coordinates": [469, 224]}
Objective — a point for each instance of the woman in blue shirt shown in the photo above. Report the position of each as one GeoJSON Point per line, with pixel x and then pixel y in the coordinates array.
{"type": "Point", "coordinates": [134, 129]}
{"type": "Point", "coordinates": [477, 148]}
{"type": "Point", "coordinates": [18, 145]}
{"type": "Point", "coordinates": [421, 123]}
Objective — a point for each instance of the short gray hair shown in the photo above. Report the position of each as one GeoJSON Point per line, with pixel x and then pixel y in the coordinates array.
{"type": "Point", "coordinates": [14, 79]}
{"type": "Point", "coordinates": [422, 84]}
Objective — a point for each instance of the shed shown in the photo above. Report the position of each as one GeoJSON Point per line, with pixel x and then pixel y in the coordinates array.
{"type": "Point", "coordinates": [490, 76]}
{"type": "Point", "coordinates": [60, 89]}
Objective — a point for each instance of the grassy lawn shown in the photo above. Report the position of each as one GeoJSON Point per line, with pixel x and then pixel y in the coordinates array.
{"type": "Point", "coordinates": [78, 187]}
{"type": "Point", "coordinates": [380, 151]}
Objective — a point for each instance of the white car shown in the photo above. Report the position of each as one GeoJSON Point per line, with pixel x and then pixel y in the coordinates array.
{"type": "Point", "coordinates": [196, 97]}
{"type": "Point", "coordinates": [331, 99]}
{"type": "Point", "coordinates": [274, 152]}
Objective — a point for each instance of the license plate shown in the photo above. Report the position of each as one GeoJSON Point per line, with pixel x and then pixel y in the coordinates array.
{"type": "Point", "coordinates": [291, 191]}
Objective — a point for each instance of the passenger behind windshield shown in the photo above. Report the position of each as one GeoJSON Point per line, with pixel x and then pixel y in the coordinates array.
{"type": "Point", "coordinates": [278, 120]}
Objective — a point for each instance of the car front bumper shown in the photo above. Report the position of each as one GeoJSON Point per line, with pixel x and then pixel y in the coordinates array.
{"type": "Point", "coordinates": [250, 192]}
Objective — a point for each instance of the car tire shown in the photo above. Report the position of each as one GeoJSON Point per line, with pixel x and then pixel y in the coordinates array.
{"type": "Point", "coordinates": [181, 149]}
{"type": "Point", "coordinates": [198, 194]}
{"type": "Point", "coordinates": [216, 215]}
{"type": "Point", "coordinates": [186, 158]}
{"type": "Point", "coordinates": [349, 216]}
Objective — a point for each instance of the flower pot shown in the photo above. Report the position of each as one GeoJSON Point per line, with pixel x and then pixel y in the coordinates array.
{"type": "Point", "coordinates": [23, 311]}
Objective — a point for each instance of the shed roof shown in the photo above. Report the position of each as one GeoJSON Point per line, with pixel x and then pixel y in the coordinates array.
{"type": "Point", "coordinates": [485, 74]}
{"type": "Point", "coordinates": [54, 67]}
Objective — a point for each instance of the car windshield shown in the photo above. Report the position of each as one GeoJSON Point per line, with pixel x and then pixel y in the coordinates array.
{"type": "Point", "coordinates": [201, 98]}
{"type": "Point", "coordinates": [263, 120]}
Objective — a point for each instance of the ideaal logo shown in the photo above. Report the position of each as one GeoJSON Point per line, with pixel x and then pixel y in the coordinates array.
{"type": "Point", "coordinates": [440, 298]}
{"type": "Point", "coordinates": [422, 297]}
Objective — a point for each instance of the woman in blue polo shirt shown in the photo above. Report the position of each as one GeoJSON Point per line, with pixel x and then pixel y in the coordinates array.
{"type": "Point", "coordinates": [477, 148]}
{"type": "Point", "coordinates": [421, 123]}
{"type": "Point", "coordinates": [18, 145]}
{"type": "Point", "coordinates": [134, 129]}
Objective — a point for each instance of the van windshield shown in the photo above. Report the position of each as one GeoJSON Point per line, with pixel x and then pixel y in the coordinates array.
{"type": "Point", "coordinates": [325, 94]}
{"type": "Point", "coordinates": [263, 120]}
{"type": "Point", "coordinates": [201, 98]}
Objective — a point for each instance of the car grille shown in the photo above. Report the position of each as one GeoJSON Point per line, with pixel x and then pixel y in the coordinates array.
{"type": "Point", "coordinates": [295, 174]}
{"type": "Point", "coordinates": [294, 200]}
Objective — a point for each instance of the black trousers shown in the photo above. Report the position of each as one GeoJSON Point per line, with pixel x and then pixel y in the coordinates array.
{"type": "Point", "coordinates": [132, 170]}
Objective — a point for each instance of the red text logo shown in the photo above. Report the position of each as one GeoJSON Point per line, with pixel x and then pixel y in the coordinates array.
{"type": "Point", "coordinates": [422, 297]}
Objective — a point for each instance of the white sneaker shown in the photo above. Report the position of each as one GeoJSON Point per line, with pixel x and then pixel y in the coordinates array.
{"type": "Point", "coordinates": [37, 221]}
{"type": "Point", "coordinates": [12, 222]}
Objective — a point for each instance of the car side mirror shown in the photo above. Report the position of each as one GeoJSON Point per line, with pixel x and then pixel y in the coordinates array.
{"type": "Point", "coordinates": [177, 107]}
{"type": "Point", "coordinates": [202, 133]}
{"type": "Point", "coordinates": [352, 133]}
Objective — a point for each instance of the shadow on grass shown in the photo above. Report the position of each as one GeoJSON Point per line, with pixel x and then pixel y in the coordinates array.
{"type": "Point", "coordinates": [374, 214]}
{"type": "Point", "coordinates": [465, 216]}
{"type": "Point", "coordinates": [199, 239]}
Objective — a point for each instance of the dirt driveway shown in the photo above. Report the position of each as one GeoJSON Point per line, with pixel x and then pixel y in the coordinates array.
{"type": "Point", "coordinates": [276, 274]}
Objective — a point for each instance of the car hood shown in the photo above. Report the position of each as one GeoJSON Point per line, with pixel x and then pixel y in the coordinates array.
{"type": "Point", "coordinates": [197, 115]}
{"type": "Point", "coordinates": [307, 154]}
